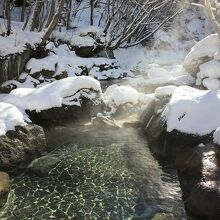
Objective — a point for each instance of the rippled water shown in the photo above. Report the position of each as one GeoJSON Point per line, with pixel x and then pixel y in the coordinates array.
{"type": "Point", "coordinates": [102, 174]}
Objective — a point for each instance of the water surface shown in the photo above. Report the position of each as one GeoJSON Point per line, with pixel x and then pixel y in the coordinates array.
{"type": "Point", "coordinates": [102, 174]}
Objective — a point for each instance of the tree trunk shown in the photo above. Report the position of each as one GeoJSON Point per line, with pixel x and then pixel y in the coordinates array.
{"type": "Point", "coordinates": [69, 8]}
{"type": "Point", "coordinates": [53, 23]}
{"type": "Point", "coordinates": [91, 11]}
{"type": "Point", "coordinates": [7, 16]}
{"type": "Point", "coordinates": [52, 11]}
{"type": "Point", "coordinates": [23, 11]}
{"type": "Point", "coordinates": [36, 16]}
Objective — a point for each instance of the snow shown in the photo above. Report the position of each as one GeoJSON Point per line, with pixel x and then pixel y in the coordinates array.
{"type": "Point", "coordinates": [193, 111]}
{"type": "Point", "coordinates": [17, 42]}
{"type": "Point", "coordinates": [80, 37]}
{"type": "Point", "coordinates": [37, 65]}
{"type": "Point", "coordinates": [211, 84]}
{"type": "Point", "coordinates": [207, 47]}
{"type": "Point", "coordinates": [122, 94]}
{"type": "Point", "coordinates": [10, 116]}
{"type": "Point", "coordinates": [116, 96]}
{"type": "Point", "coordinates": [52, 95]}
{"type": "Point", "coordinates": [165, 90]}
{"type": "Point", "coordinates": [209, 69]}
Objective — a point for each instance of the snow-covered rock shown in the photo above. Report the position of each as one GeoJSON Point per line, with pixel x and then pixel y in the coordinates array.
{"type": "Point", "coordinates": [209, 69]}
{"type": "Point", "coordinates": [66, 91]}
{"type": "Point", "coordinates": [45, 66]}
{"type": "Point", "coordinates": [202, 51]}
{"type": "Point", "coordinates": [122, 94]}
{"type": "Point", "coordinates": [211, 83]}
{"type": "Point", "coordinates": [117, 96]}
{"type": "Point", "coordinates": [10, 116]}
{"type": "Point", "coordinates": [65, 100]}
{"type": "Point", "coordinates": [193, 111]}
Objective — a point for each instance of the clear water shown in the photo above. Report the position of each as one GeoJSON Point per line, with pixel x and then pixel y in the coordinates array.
{"type": "Point", "coordinates": [102, 174]}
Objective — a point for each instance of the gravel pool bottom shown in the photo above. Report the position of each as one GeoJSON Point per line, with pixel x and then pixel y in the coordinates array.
{"type": "Point", "coordinates": [101, 174]}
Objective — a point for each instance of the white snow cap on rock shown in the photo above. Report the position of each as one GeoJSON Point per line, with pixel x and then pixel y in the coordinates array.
{"type": "Point", "coordinates": [51, 95]}
{"type": "Point", "coordinates": [37, 65]}
{"type": "Point", "coordinates": [193, 111]}
{"type": "Point", "coordinates": [116, 96]}
{"type": "Point", "coordinates": [209, 69]}
{"type": "Point", "coordinates": [10, 116]}
{"type": "Point", "coordinates": [122, 94]}
{"type": "Point", "coordinates": [211, 83]}
{"type": "Point", "coordinates": [207, 47]}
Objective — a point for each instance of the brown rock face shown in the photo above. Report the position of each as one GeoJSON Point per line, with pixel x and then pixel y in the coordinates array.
{"type": "Point", "coordinates": [4, 187]}
{"type": "Point", "coordinates": [199, 175]}
{"type": "Point", "coordinates": [21, 146]}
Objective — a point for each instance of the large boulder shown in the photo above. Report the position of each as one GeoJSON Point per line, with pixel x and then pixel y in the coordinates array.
{"type": "Point", "coordinates": [20, 146]}
{"type": "Point", "coordinates": [67, 113]}
{"type": "Point", "coordinates": [168, 124]}
{"type": "Point", "coordinates": [203, 51]}
{"type": "Point", "coordinates": [67, 100]}
{"type": "Point", "coordinates": [4, 187]}
{"type": "Point", "coordinates": [43, 165]}
{"type": "Point", "coordinates": [199, 175]}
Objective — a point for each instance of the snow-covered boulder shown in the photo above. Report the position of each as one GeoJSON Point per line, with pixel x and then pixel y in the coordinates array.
{"type": "Point", "coordinates": [203, 62]}
{"type": "Point", "coordinates": [86, 42]}
{"type": "Point", "coordinates": [193, 111]}
{"type": "Point", "coordinates": [69, 99]}
{"type": "Point", "coordinates": [201, 52]}
{"type": "Point", "coordinates": [188, 118]}
{"type": "Point", "coordinates": [45, 66]}
{"type": "Point", "coordinates": [20, 141]}
{"type": "Point", "coordinates": [124, 98]}
{"type": "Point", "coordinates": [10, 116]}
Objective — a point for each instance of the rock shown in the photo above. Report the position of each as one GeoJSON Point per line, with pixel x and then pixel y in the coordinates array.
{"type": "Point", "coordinates": [104, 122]}
{"type": "Point", "coordinates": [8, 86]}
{"type": "Point", "coordinates": [67, 113]}
{"type": "Point", "coordinates": [105, 52]}
{"type": "Point", "coordinates": [86, 51]}
{"type": "Point", "coordinates": [43, 165]}
{"type": "Point", "coordinates": [20, 146]}
{"type": "Point", "coordinates": [4, 187]}
{"type": "Point", "coordinates": [204, 200]}
{"type": "Point", "coordinates": [12, 65]}
{"type": "Point", "coordinates": [199, 175]}
{"type": "Point", "coordinates": [166, 145]}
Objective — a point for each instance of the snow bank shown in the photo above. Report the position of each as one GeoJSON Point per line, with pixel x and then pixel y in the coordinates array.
{"type": "Point", "coordinates": [52, 95]}
{"type": "Point", "coordinates": [10, 116]}
{"type": "Point", "coordinates": [193, 111]}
